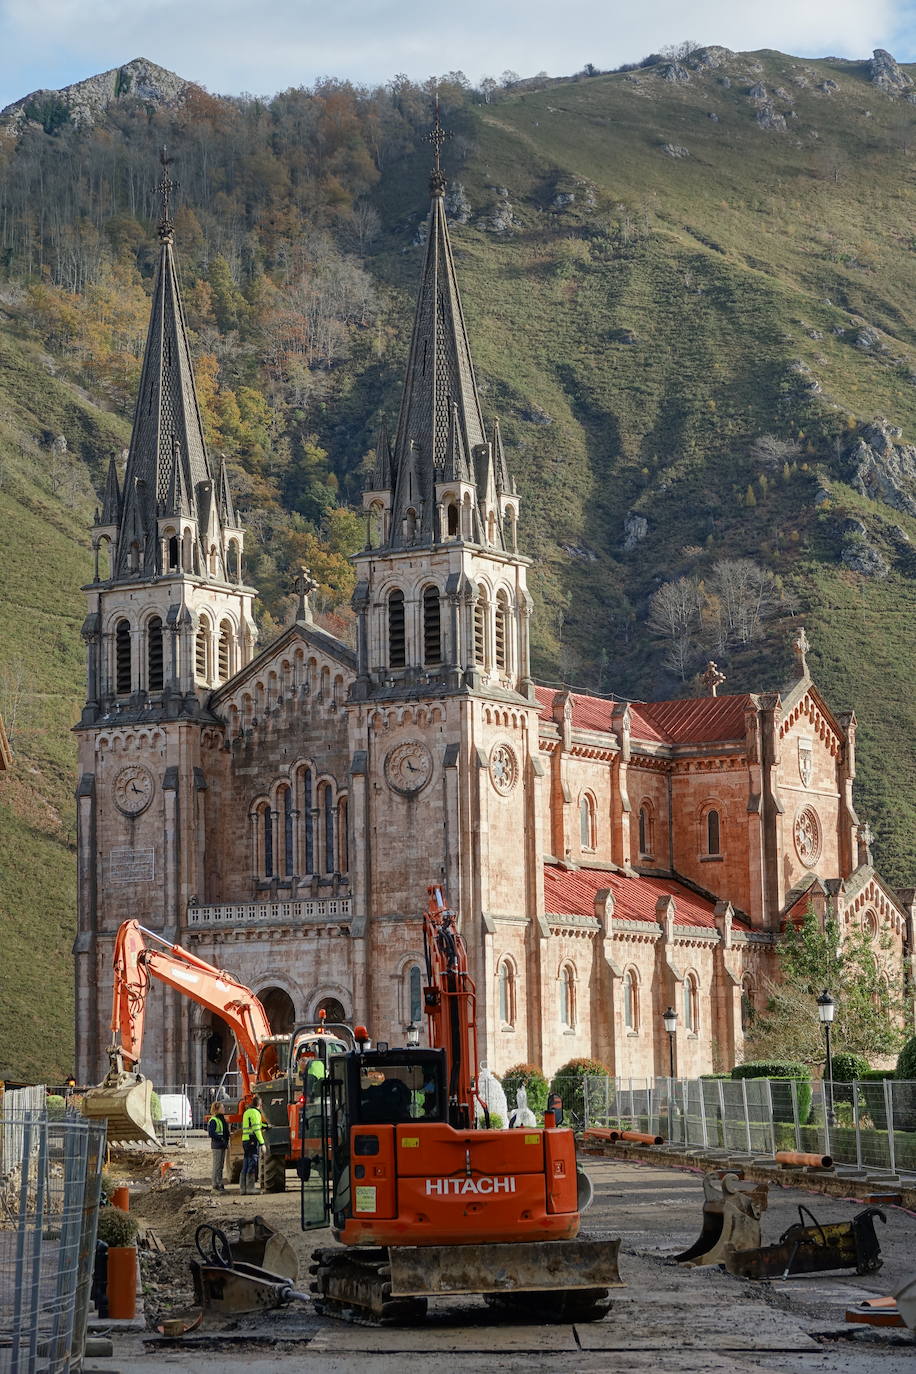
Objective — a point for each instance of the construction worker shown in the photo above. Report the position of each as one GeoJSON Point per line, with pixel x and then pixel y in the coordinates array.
{"type": "Point", "coordinates": [218, 1131]}
{"type": "Point", "coordinates": [253, 1127]}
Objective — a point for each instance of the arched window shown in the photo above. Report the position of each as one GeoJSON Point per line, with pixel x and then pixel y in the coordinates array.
{"type": "Point", "coordinates": [201, 655]}
{"type": "Point", "coordinates": [432, 626]}
{"type": "Point", "coordinates": [285, 813]}
{"type": "Point", "coordinates": [713, 838]}
{"type": "Point", "coordinates": [333, 1011]}
{"type": "Point", "coordinates": [691, 1004]}
{"type": "Point", "coordinates": [645, 830]}
{"type": "Point", "coordinates": [225, 651]}
{"type": "Point", "coordinates": [154, 667]}
{"type": "Point", "coordinates": [123, 666]}
{"type": "Point", "coordinates": [308, 823]}
{"type": "Point", "coordinates": [410, 526]}
{"type": "Point", "coordinates": [480, 628]}
{"type": "Point", "coordinates": [587, 821]}
{"type": "Point", "coordinates": [506, 992]}
{"type": "Point", "coordinates": [376, 525]}
{"type": "Point", "coordinates": [343, 838]}
{"type": "Point", "coordinates": [451, 515]}
{"type": "Point", "coordinates": [266, 839]}
{"type": "Point", "coordinates": [397, 651]}
{"type": "Point", "coordinates": [630, 1001]}
{"type": "Point", "coordinates": [502, 631]}
{"type": "Point", "coordinates": [414, 994]}
{"type": "Point", "coordinates": [568, 996]}
{"type": "Point", "coordinates": [326, 811]}
{"type": "Point", "coordinates": [234, 561]}
{"type": "Point", "coordinates": [173, 550]}
{"type": "Point", "coordinates": [748, 1010]}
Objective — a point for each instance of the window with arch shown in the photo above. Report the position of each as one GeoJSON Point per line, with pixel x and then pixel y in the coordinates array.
{"type": "Point", "coordinates": [154, 660]}
{"type": "Point", "coordinates": [505, 983]}
{"type": "Point", "coordinates": [748, 1010]}
{"type": "Point", "coordinates": [502, 631]}
{"type": "Point", "coordinates": [414, 994]}
{"type": "Point", "coordinates": [308, 815]}
{"type": "Point", "coordinates": [201, 655]}
{"type": "Point", "coordinates": [173, 553]}
{"type": "Point", "coordinates": [225, 651]}
{"type": "Point", "coordinates": [123, 665]}
{"type": "Point", "coordinates": [509, 530]}
{"type": "Point", "coordinates": [568, 996]}
{"type": "Point", "coordinates": [343, 838]}
{"type": "Point", "coordinates": [713, 832]}
{"type": "Point", "coordinates": [588, 827]}
{"type": "Point", "coordinates": [646, 830]}
{"type": "Point", "coordinates": [397, 648]}
{"type": "Point", "coordinates": [264, 840]}
{"type": "Point", "coordinates": [376, 524]}
{"type": "Point", "coordinates": [410, 525]}
{"type": "Point", "coordinates": [630, 1001]}
{"type": "Point", "coordinates": [491, 528]}
{"type": "Point", "coordinates": [691, 1004]}
{"type": "Point", "coordinates": [285, 822]}
{"type": "Point", "coordinates": [326, 813]}
{"type": "Point", "coordinates": [451, 519]}
{"type": "Point", "coordinates": [432, 626]}
{"type": "Point", "coordinates": [234, 561]}
{"type": "Point", "coordinates": [333, 1011]}
{"type": "Point", "coordinates": [480, 628]}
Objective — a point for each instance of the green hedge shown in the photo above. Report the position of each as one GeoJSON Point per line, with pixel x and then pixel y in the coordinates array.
{"type": "Point", "coordinates": [847, 1068]}
{"type": "Point", "coordinates": [843, 1143]}
{"type": "Point", "coordinates": [781, 1072]}
{"type": "Point", "coordinates": [567, 1081]}
{"type": "Point", "coordinates": [906, 1062]}
{"type": "Point", "coordinates": [529, 1077]}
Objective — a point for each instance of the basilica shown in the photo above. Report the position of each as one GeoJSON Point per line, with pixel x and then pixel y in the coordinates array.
{"type": "Point", "coordinates": [281, 812]}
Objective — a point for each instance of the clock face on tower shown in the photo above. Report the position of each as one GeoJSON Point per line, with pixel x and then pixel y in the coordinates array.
{"type": "Point", "coordinates": [409, 767]}
{"type": "Point", "coordinates": [133, 789]}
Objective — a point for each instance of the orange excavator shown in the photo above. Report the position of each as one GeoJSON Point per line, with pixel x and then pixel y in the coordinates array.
{"type": "Point", "coordinates": [268, 1064]}
{"type": "Point", "coordinates": [425, 1198]}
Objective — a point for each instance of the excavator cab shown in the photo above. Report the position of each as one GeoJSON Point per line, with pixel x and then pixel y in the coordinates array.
{"type": "Point", "coordinates": [379, 1088]}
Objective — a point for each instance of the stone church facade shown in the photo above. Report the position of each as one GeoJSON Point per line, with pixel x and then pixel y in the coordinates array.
{"type": "Point", "coordinates": [281, 812]}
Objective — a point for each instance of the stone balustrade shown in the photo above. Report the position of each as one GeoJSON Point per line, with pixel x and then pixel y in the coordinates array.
{"type": "Point", "coordinates": [231, 915]}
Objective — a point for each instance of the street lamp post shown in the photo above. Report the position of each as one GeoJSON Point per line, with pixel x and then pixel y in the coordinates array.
{"type": "Point", "coordinates": [413, 1035]}
{"type": "Point", "coordinates": [670, 1019]}
{"type": "Point", "coordinates": [825, 1009]}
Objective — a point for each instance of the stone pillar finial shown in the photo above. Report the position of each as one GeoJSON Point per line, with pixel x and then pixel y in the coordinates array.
{"type": "Point", "coordinates": [800, 646]}
{"type": "Point", "coordinates": [712, 678]}
{"type": "Point", "coordinates": [304, 584]}
{"type": "Point", "coordinates": [865, 838]}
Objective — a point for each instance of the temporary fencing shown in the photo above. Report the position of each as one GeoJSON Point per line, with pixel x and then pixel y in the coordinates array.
{"type": "Point", "coordinates": [868, 1125]}
{"type": "Point", "coordinates": [49, 1189]}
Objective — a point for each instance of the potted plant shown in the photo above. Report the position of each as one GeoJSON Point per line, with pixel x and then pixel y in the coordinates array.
{"type": "Point", "coordinates": [118, 1230]}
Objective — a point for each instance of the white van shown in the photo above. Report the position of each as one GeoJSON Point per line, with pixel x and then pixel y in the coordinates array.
{"type": "Point", "coordinates": [176, 1109]}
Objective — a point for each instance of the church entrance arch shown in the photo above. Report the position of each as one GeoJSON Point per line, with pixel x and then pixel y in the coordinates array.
{"type": "Point", "coordinates": [280, 1010]}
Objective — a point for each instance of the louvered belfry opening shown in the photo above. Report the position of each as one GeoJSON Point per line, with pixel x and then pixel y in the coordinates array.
{"type": "Point", "coordinates": [123, 675]}
{"type": "Point", "coordinates": [480, 631]}
{"type": "Point", "coordinates": [397, 649]}
{"type": "Point", "coordinates": [155, 675]}
{"type": "Point", "coordinates": [432, 626]}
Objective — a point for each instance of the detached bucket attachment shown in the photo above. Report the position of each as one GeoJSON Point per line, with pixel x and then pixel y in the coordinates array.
{"type": "Point", "coordinates": [123, 1100]}
{"type": "Point", "coordinates": [731, 1217]}
{"type": "Point", "coordinates": [811, 1249]}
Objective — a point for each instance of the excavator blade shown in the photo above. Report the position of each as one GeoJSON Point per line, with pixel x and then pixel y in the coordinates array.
{"type": "Point", "coordinates": [123, 1101]}
{"type": "Point", "coordinates": [522, 1267]}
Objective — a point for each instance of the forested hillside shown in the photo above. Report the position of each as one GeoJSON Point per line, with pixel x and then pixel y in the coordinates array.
{"type": "Point", "coordinates": [690, 288]}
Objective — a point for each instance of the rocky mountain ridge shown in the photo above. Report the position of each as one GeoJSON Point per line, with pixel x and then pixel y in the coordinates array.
{"type": "Point", "coordinates": [85, 102]}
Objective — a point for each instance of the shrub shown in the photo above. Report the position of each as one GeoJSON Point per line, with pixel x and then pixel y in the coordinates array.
{"type": "Point", "coordinates": [116, 1227]}
{"type": "Point", "coordinates": [55, 1106]}
{"type": "Point", "coordinates": [155, 1107]}
{"type": "Point", "coordinates": [532, 1080]}
{"type": "Point", "coordinates": [784, 1072]}
{"type": "Point", "coordinates": [876, 1075]}
{"type": "Point", "coordinates": [906, 1060]}
{"type": "Point", "coordinates": [847, 1068]}
{"type": "Point", "coordinates": [567, 1082]}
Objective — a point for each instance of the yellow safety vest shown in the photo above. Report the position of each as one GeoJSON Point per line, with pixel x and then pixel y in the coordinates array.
{"type": "Point", "coordinates": [252, 1123]}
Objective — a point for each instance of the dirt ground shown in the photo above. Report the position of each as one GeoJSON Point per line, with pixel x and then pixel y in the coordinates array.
{"type": "Point", "coordinates": [665, 1319]}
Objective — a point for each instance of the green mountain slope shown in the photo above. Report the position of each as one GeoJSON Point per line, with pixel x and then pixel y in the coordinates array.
{"type": "Point", "coordinates": [657, 274]}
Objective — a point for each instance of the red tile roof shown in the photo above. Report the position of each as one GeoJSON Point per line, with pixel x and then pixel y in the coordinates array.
{"type": "Point", "coordinates": [687, 720]}
{"type": "Point", "coordinates": [572, 893]}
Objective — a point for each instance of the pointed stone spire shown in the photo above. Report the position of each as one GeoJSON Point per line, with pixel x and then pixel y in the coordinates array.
{"type": "Point", "coordinates": [440, 378]}
{"type": "Point", "coordinates": [382, 471]}
{"type": "Point", "coordinates": [504, 483]}
{"type": "Point", "coordinates": [456, 467]}
{"type": "Point", "coordinates": [111, 502]}
{"type": "Point", "coordinates": [167, 460]}
{"type": "Point", "coordinates": [226, 504]}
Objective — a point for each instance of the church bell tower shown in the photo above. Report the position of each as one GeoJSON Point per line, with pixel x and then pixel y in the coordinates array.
{"type": "Point", "coordinates": [169, 618]}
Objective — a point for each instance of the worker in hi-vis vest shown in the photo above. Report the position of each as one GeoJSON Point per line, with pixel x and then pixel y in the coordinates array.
{"type": "Point", "coordinates": [253, 1127]}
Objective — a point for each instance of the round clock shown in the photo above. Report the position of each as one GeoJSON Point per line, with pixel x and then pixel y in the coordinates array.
{"type": "Point", "coordinates": [409, 767]}
{"type": "Point", "coordinates": [133, 789]}
{"type": "Point", "coordinates": [503, 768]}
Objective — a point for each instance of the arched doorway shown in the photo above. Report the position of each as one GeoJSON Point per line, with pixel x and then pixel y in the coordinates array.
{"type": "Point", "coordinates": [333, 1010]}
{"type": "Point", "coordinates": [280, 1010]}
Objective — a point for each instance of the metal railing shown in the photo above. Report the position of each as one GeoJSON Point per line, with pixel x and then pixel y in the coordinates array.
{"type": "Point", "coordinates": [865, 1125]}
{"type": "Point", "coordinates": [47, 1240]}
{"type": "Point", "coordinates": [14, 1103]}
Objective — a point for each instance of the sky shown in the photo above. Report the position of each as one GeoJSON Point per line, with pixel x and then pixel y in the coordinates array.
{"type": "Point", "coordinates": [234, 46]}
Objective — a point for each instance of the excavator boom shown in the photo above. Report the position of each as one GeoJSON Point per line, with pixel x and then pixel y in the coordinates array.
{"type": "Point", "coordinates": [123, 1098]}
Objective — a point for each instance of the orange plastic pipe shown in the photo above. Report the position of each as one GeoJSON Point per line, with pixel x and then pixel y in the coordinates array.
{"type": "Point", "coordinates": [798, 1157]}
{"type": "Point", "coordinates": [120, 1197]}
{"type": "Point", "coordinates": [639, 1137]}
{"type": "Point", "coordinates": [122, 1281]}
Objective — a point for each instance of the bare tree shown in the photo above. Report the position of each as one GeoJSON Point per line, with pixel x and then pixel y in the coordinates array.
{"type": "Point", "coordinates": [679, 52]}
{"type": "Point", "coordinates": [772, 451]}
{"type": "Point", "coordinates": [13, 679]}
{"type": "Point", "coordinates": [739, 596]}
{"type": "Point", "coordinates": [674, 615]}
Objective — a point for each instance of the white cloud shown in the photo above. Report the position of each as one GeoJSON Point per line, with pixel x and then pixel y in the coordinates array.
{"type": "Point", "coordinates": [232, 45]}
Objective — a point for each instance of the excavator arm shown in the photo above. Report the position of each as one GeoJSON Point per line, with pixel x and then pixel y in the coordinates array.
{"type": "Point", "coordinates": [123, 1098]}
{"type": "Point", "coordinates": [451, 1007]}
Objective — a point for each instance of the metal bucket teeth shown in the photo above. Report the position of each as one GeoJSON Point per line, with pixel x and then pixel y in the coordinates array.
{"type": "Point", "coordinates": [124, 1104]}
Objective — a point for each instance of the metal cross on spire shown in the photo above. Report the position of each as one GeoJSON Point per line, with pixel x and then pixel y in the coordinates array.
{"type": "Point", "coordinates": [304, 584]}
{"type": "Point", "coordinates": [165, 187]}
{"type": "Point", "coordinates": [437, 136]}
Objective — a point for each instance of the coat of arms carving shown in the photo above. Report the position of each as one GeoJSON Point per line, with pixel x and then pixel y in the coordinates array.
{"type": "Point", "coordinates": [806, 761]}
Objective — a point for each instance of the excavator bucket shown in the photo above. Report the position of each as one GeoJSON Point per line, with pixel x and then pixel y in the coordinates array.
{"type": "Point", "coordinates": [731, 1217]}
{"type": "Point", "coordinates": [123, 1100]}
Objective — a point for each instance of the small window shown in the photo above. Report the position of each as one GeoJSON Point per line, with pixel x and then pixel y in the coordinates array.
{"type": "Point", "coordinates": [173, 553]}
{"type": "Point", "coordinates": [343, 838]}
{"type": "Point", "coordinates": [506, 993]}
{"type": "Point", "coordinates": [587, 821]}
{"type": "Point", "coordinates": [452, 519]}
{"type": "Point", "coordinates": [397, 651]}
{"type": "Point", "coordinates": [480, 630]}
{"type": "Point", "coordinates": [713, 841]}
{"type": "Point", "coordinates": [123, 666]}
{"type": "Point", "coordinates": [691, 1008]}
{"type": "Point", "coordinates": [568, 996]}
{"type": "Point", "coordinates": [432, 626]}
{"type": "Point", "coordinates": [747, 1003]}
{"type": "Point", "coordinates": [646, 837]}
{"type": "Point", "coordinates": [154, 655]}
{"type": "Point", "coordinates": [415, 995]}
{"type": "Point", "coordinates": [267, 839]}
{"type": "Point", "coordinates": [285, 808]}
{"type": "Point", "coordinates": [308, 822]}
{"type": "Point", "coordinates": [630, 1001]}
{"type": "Point", "coordinates": [225, 651]}
{"type": "Point", "coordinates": [200, 654]}
{"type": "Point", "coordinates": [502, 632]}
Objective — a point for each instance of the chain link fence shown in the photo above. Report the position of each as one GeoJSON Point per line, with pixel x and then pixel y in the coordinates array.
{"type": "Point", "coordinates": [49, 1197]}
{"type": "Point", "coordinates": [865, 1125]}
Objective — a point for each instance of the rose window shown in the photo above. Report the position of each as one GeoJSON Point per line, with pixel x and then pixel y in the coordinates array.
{"type": "Point", "coordinates": [807, 835]}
